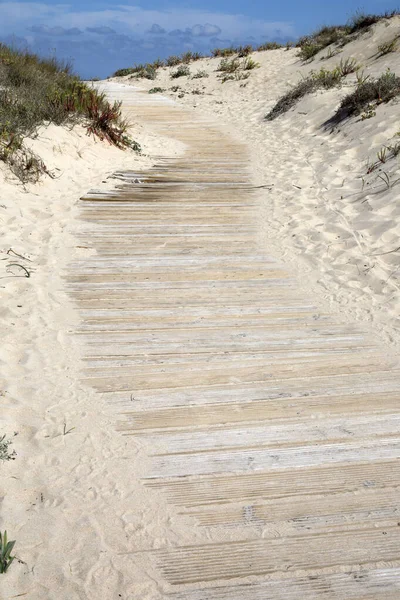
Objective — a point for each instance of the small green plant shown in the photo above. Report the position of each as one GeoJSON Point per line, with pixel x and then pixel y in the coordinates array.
{"type": "Point", "coordinates": [158, 64]}
{"type": "Point", "coordinates": [229, 66]}
{"type": "Point", "coordinates": [173, 61]}
{"type": "Point", "coordinates": [330, 54]}
{"type": "Point", "coordinates": [175, 88]}
{"type": "Point", "coordinates": [182, 71]}
{"type": "Point", "coordinates": [244, 51]}
{"type": "Point", "coordinates": [200, 75]}
{"type": "Point", "coordinates": [368, 113]}
{"type": "Point", "coordinates": [227, 77]}
{"type": "Point", "coordinates": [387, 47]}
{"type": "Point", "coordinates": [5, 453]}
{"type": "Point", "coordinates": [132, 144]}
{"type": "Point", "coordinates": [148, 72]}
{"type": "Point", "coordinates": [6, 548]}
{"type": "Point", "coordinates": [348, 66]}
{"type": "Point", "coordinates": [237, 76]}
{"type": "Point", "coordinates": [272, 46]}
{"type": "Point", "coordinates": [361, 77]}
{"type": "Point", "coordinates": [308, 51]}
{"type": "Point", "coordinates": [326, 79]}
{"type": "Point", "coordinates": [187, 57]}
{"type": "Point", "coordinates": [249, 64]}
{"type": "Point", "coordinates": [123, 72]}
{"type": "Point", "coordinates": [223, 52]}
{"type": "Point", "coordinates": [156, 90]}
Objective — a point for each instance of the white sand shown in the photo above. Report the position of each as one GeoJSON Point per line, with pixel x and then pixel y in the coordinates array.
{"type": "Point", "coordinates": [339, 226]}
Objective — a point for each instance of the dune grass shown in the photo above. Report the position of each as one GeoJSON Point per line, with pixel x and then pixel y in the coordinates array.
{"type": "Point", "coordinates": [34, 91]}
{"type": "Point", "coordinates": [181, 71]}
{"type": "Point", "coordinates": [387, 47]}
{"type": "Point", "coordinates": [316, 80]}
{"type": "Point", "coordinates": [312, 44]}
{"type": "Point", "coordinates": [369, 93]}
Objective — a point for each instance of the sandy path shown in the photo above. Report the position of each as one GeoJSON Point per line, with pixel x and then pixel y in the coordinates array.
{"type": "Point", "coordinates": [232, 441]}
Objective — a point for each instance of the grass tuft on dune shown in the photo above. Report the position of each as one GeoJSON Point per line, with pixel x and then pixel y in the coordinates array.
{"type": "Point", "coordinates": [35, 91]}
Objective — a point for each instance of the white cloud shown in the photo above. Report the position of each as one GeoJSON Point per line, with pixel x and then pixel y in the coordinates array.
{"type": "Point", "coordinates": [206, 30]}
{"type": "Point", "coordinates": [100, 41]}
{"type": "Point", "coordinates": [137, 21]}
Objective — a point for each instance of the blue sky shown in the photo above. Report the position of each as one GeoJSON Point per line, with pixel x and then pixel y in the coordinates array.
{"type": "Point", "coordinates": [100, 37]}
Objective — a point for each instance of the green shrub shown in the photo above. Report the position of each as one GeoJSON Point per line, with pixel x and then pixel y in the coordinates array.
{"type": "Point", "coordinates": [326, 79]}
{"type": "Point", "coordinates": [129, 70]}
{"type": "Point", "coordinates": [370, 91]}
{"type": "Point", "coordinates": [187, 57]}
{"type": "Point", "coordinates": [229, 66]}
{"type": "Point", "coordinates": [348, 66]}
{"type": "Point", "coordinates": [146, 72]}
{"type": "Point", "coordinates": [173, 61]}
{"type": "Point", "coordinates": [158, 64]}
{"type": "Point", "coordinates": [243, 51]}
{"type": "Point", "coordinates": [200, 75]}
{"type": "Point", "coordinates": [182, 71]}
{"type": "Point", "coordinates": [237, 76]}
{"type": "Point", "coordinates": [156, 90]}
{"type": "Point", "coordinates": [387, 47]}
{"type": "Point", "coordinates": [123, 72]}
{"type": "Point", "coordinates": [308, 51]}
{"type": "Point", "coordinates": [223, 52]}
{"type": "Point", "coordinates": [249, 64]}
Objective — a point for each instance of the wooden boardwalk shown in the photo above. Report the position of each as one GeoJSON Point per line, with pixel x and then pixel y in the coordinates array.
{"type": "Point", "coordinates": [270, 427]}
